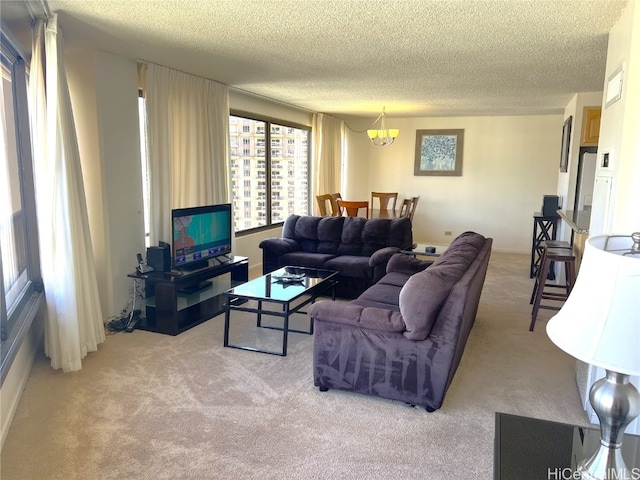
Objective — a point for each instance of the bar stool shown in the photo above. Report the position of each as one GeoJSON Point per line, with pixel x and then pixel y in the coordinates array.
{"type": "Point", "coordinates": [550, 255]}
{"type": "Point", "coordinates": [544, 245]}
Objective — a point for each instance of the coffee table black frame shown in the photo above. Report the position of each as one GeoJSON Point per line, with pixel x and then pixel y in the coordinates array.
{"type": "Point", "coordinates": [269, 289]}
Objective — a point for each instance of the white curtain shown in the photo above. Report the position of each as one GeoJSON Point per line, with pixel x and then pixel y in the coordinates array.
{"type": "Point", "coordinates": [74, 323]}
{"type": "Point", "coordinates": [327, 155]}
{"type": "Point", "coordinates": [188, 144]}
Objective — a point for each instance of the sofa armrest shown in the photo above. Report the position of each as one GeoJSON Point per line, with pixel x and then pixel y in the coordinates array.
{"type": "Point", "coordinates": [279, 246]}
{"type": "Point", "coordinates": [382, 256]}
{"type": "Point", "coordinates": [407, 264]}
{"type": "Point", "coordinates": [356, 316]}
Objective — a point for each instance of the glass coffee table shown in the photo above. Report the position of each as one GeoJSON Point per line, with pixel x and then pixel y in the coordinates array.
{"type": "Point", "coordinates": [287, 290]}
{"type": "Point", "coordinates": [528, 448]}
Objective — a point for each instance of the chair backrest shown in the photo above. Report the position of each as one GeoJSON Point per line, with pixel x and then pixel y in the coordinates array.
{"type": "Point", "coordinates": [384, 199]}
{"type": "Point", "coordinates": [353, 206]}
{"type": "Point", "coordinates": [414, 204]}
{"type": "Point", "coordinates": [405, 208]}
{"type": "Point", "coordinates": [335, 209]}
{"type": "Point", "coordinates": [331, 199]}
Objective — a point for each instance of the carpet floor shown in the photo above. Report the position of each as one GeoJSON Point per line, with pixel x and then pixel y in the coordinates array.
{"type": "Point", "coordinates": [150, 406]}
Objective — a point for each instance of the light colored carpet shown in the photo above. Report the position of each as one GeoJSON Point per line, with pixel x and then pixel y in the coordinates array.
{"type": "Point", "coordinates": [150, 406]}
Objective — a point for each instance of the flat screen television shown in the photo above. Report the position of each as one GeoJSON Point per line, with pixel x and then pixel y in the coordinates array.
{"type": "Point", "coordinates": [200, 233]}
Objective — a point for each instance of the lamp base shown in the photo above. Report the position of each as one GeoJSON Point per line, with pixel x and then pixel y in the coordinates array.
{"type": "Point", "coordinates": [616, 403]}
{"type": "Point", "coordinates": [605, 464]}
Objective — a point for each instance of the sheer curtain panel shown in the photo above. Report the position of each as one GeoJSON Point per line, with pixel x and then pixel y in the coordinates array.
{"type": "Point", "coordinates": [188, 144]}
{"type": "Point", "coordinates": [74, 323]}
{"type": "Point", "coordinates": [327, 154]}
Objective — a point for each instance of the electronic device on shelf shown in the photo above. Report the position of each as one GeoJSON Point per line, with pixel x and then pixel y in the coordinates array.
{"type": "Point", "coordinates": [142, 266]}
{"type": "Point", "coordinates": [199, 234]}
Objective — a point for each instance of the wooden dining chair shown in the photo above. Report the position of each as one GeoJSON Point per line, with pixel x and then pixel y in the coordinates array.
{"type": "Point", "coordinates": [352, 207]}
{"type": "Point", "coordinates": [405, 208]}
{"type": "Point", "coordinates": [323, 200]}
{"type": "Point", "coordinates": [414, 205]}
{"type": "Point", "coordinates": [330, 199]}
{"type": "Point", "coordinates": [408, 207]}
{"type": "Point", "coordinates": [384, 198]}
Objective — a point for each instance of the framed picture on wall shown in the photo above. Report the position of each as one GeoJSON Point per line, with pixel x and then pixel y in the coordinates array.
{"type": "Point", "coordinates": [439, 152]}
{"type": "Point", "coordinates": [566, 139]}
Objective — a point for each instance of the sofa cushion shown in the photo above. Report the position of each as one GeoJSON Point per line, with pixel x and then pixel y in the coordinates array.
{"type": "Point", "coordinates": [351, 240]}
{"type": "Point", "coordinates": [306, 232]}
{"type": "Point", "coordinates": [424, 293]}
{"type": "Point", "coordinates": [305, 259]}
{"type": "Point", "coordinates": [350, 266]}
{"type": "Point", "coordinates": [379, 296]}
{"type": "Point", "coordinates": [329, 234]}
{"type": "Point", "coordinates": [395, 279]}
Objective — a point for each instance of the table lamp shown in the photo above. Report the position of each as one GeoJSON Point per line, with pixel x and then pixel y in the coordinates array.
{"type": "Point", "coordinates": [600, 325]}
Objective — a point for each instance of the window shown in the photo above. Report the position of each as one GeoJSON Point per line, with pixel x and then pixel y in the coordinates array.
{"type": "Point", "coordinates": [142, 125]}
{"type": "Point", "coordinates": [272, 176]}
{"type": "Point", "coordinates": [19, 261]}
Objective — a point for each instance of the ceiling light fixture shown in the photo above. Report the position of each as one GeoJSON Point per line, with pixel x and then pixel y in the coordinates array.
{"type": "Point", "coordinates": [383, 136]}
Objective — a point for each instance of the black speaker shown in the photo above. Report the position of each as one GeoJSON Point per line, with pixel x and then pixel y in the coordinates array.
{"type": "Point", "coordinates": [550, 205]}
{"type": "Point", "coordinates": [159, 258]}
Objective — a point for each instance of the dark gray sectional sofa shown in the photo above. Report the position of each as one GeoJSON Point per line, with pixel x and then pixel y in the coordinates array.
{"type": "Point", "coordinates": [403, 338]}
{"type": "Point", "coordinates": [357, 247]}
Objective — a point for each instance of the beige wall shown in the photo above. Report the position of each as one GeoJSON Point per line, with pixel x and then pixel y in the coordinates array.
{"type": "Point", "coordinates": [509, 164]}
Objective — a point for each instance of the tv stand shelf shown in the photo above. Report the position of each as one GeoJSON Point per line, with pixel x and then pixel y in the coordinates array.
{"type": "Point", "coordinates": [174, 303]}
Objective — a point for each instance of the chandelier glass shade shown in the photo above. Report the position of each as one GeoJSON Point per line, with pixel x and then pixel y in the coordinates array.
{"type": "Point", "coordinates": [383, 136]}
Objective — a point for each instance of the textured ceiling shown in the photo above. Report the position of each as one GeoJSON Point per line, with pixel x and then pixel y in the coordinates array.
{"type": "Point", "coordinates": [416, 57]}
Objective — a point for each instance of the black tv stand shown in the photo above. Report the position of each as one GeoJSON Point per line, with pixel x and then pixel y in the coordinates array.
{"type": "Point", "coordinates": [176, 302]}
{"type": "Point", "coordinates": [187, 289]}
{"type": "Point", "coordinates": [193, 266]}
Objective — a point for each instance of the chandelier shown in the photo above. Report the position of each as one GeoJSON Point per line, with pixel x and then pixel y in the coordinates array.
{"type": "Point", "coordinates": [382, 136]}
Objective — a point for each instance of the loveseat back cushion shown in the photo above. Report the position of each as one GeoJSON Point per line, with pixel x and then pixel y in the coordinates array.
{"type": "Point", "coordinates": [306, 233]}
{"type": "Point", "coordinates": [364, 237]}
{"type": "Point", "coordinates": [424, 293]}
{"type": "Point", "coordinates": [351, 240]}
{"type": "Point", "coordinates": [330, 234]}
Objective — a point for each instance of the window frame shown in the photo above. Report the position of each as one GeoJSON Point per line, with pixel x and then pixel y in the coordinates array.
{"type": "Point", "coordinates": [266, 152]}
{"type": "Point", "coordinates": [16, 324]}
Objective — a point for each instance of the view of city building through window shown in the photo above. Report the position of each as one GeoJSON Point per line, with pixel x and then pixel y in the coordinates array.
{"type": "Point", "coordinates": [268, 184]}
{"type": "Point", "coordinates": [269, 171]}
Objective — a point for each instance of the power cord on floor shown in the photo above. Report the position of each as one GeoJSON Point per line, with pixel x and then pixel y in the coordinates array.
{"type": "Point", "coordinates": [117, 324]}
{"type": "Point", "coordinates": [125, 323]}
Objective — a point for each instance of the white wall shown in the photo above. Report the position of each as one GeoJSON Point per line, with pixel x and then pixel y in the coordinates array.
{"type": "Point", "coordinates": [509, 164]}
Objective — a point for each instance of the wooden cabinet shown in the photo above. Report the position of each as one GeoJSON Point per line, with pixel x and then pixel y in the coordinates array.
{"type": "Point", "coordinates": [590, 126]}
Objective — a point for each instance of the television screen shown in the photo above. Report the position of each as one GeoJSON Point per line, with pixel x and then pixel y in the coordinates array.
{"type": "Point", "coordinates": [200, 233]}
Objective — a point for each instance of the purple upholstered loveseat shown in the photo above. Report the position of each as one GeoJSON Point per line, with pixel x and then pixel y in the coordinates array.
{"type": "Point", "coordinates": [357, 247]}
{"type": "Point", "coordinates": [403, 338]}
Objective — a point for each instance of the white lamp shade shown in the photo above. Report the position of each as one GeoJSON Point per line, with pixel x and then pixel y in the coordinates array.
{"type": "Point", "coordinates": [600, 321]}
